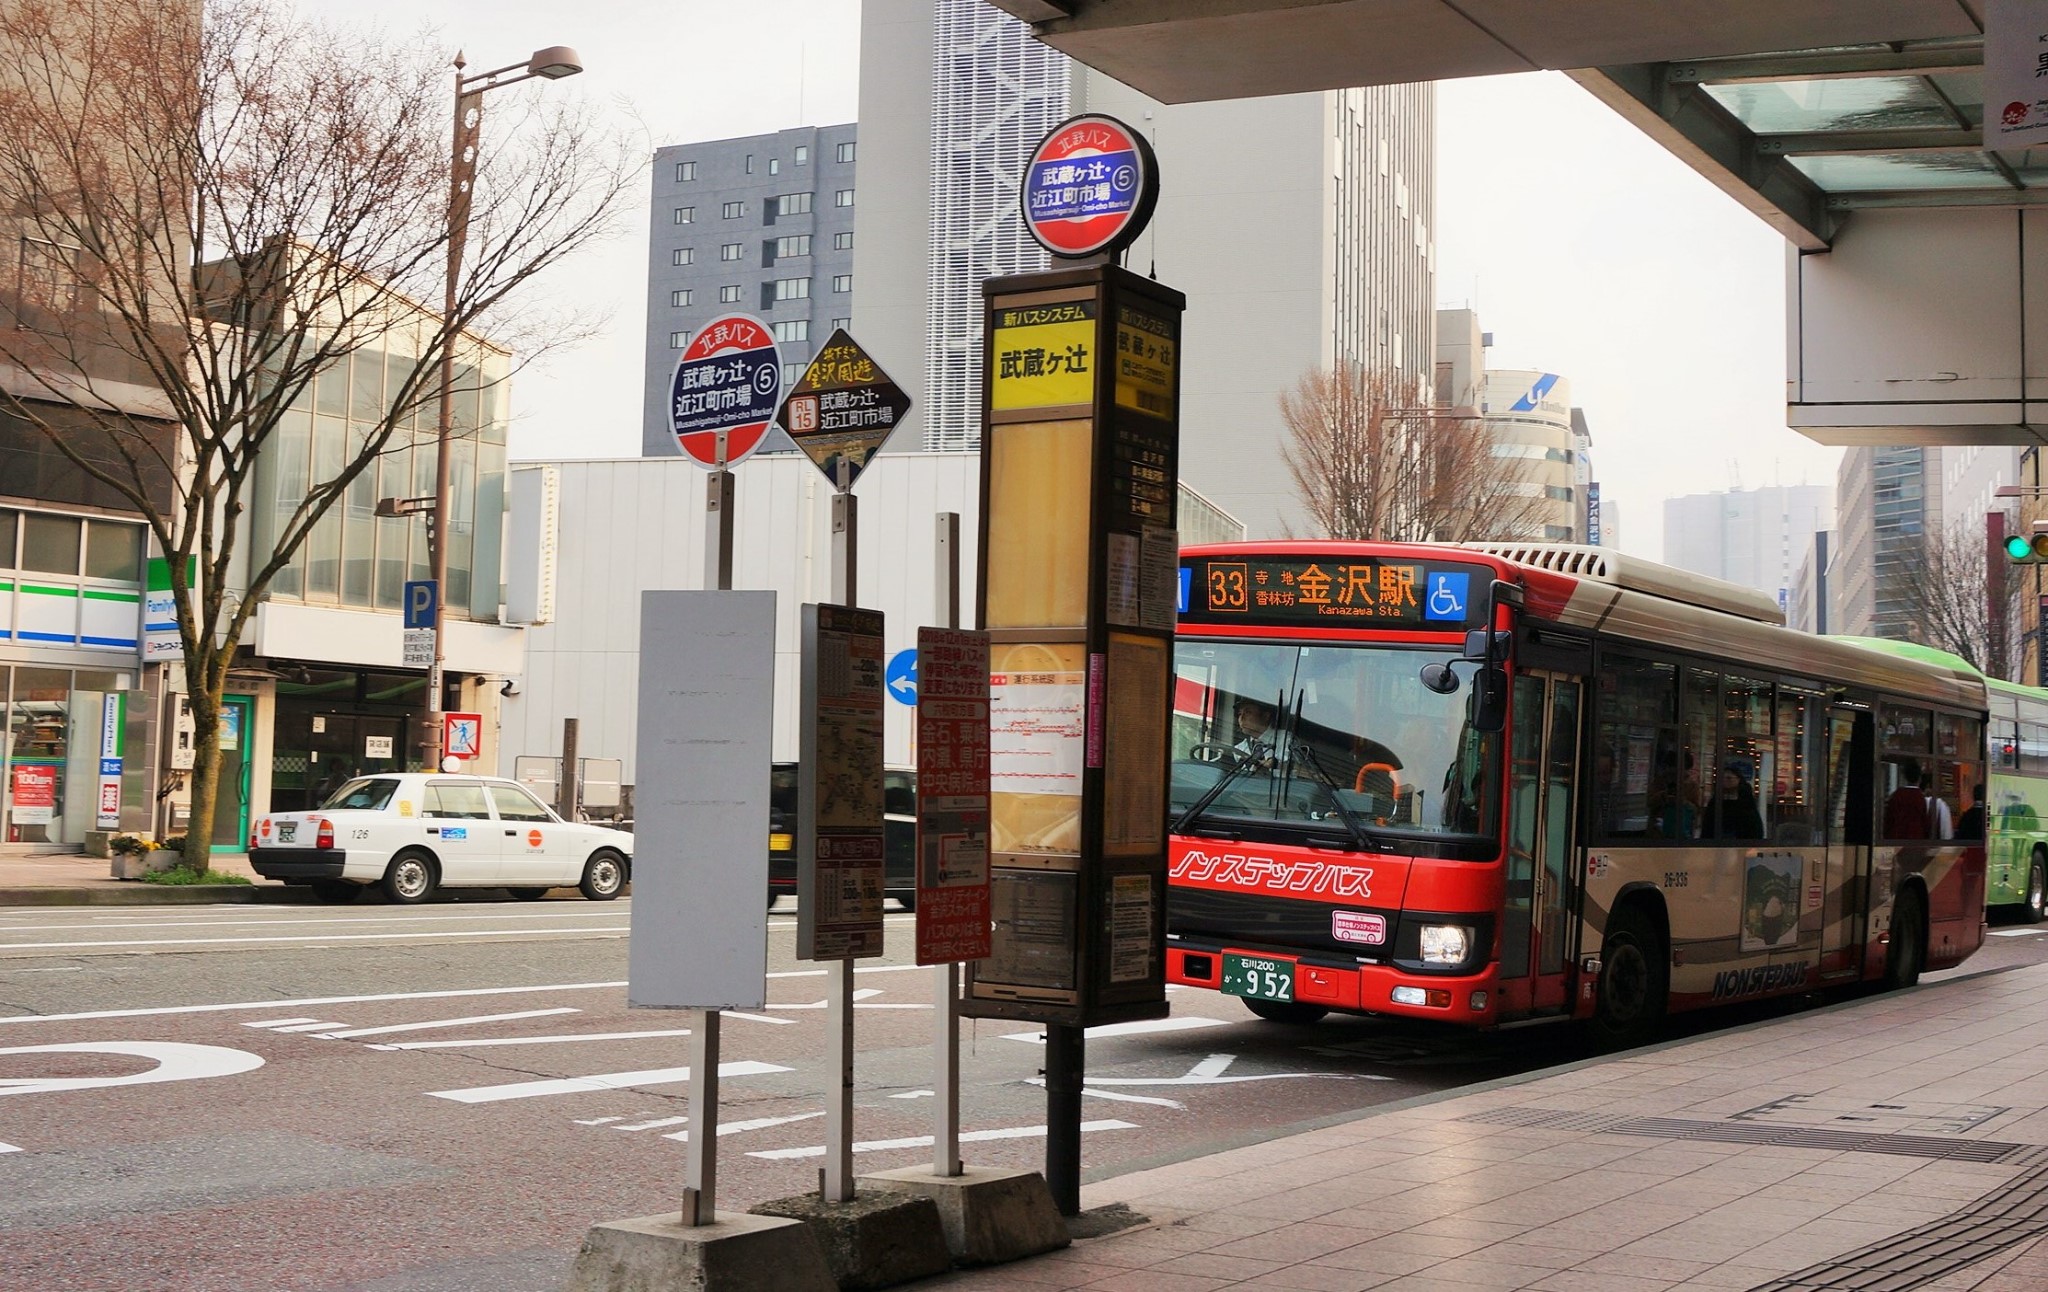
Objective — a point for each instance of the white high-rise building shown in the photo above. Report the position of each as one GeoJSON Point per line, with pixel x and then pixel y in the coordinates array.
{"type": "Point", "coordinates": [1755, 537]}
{"type": "Point", "coordinates": [1337, 187]}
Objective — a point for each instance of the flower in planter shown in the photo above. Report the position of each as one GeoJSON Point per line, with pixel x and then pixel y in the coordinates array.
{"type": "Point", "coordinates": [139, 844]}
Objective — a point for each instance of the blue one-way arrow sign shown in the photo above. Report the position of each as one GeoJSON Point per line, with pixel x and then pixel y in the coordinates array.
{"type": "Point", "coordinates": [900, 680]}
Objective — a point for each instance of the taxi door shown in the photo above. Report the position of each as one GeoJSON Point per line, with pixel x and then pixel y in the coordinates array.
{"type": "Point", "coordinates": [457, 817]}
{"type": "Point", "coordinates": [538, 850]}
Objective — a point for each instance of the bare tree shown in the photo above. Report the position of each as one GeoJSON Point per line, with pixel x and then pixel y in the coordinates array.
{"type": "Point", "coordinates": [220, 210]}
{"type": "Point", "coordinates": [1373, 459]}
{"type": "Point", "coordinates": [1942, 591]}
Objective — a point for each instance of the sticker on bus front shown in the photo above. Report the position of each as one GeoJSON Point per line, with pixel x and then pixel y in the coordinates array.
{"type": "Point", "coordinates": [1350, 926]}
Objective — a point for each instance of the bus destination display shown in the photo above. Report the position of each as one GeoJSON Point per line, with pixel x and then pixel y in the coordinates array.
{"type": "Point", "coordinates": [1396, 594]}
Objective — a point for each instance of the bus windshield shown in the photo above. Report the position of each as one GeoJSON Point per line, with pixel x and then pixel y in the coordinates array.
{"type": "Point", "coordinates": [1302, 742]}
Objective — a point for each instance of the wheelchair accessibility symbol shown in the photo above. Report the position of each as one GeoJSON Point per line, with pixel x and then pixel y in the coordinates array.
{"type": "Point", "coordinates": [1447, 596]}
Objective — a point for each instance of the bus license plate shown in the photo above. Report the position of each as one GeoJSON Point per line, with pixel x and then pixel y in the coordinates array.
{"type": "Point", "coordinates": [1259, 977]}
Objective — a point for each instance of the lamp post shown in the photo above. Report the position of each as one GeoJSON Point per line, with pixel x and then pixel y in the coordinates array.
{"type": "Point", "coordinates": [552, 63]}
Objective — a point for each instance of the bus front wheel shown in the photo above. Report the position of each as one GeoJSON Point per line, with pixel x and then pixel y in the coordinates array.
{"type": "Point", "coordinates": [2037, 888]}
{"type": "Point", "coordinates": [1285, 1011]}
{"type": "Point", "coordinates": [1635, 978]}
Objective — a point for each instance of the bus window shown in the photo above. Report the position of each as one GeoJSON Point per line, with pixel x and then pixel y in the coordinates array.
{"type": "Point", "coordinates": [1635, 758]}
{"type": "Point", "coordinates": [1795, 765]}
{"type": "Point", "coordinates": [1701, 767]}
{"type": "Point", "coordinates": [1745, 761]}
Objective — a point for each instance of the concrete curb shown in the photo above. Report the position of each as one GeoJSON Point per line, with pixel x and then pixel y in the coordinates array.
{"type": "Point", "coordinates": [141, 894]}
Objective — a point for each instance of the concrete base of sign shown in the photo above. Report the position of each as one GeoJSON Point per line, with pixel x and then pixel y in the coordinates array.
{"type": "Point", "coordinates": [735, 1253]}
{"type": "Point", "coordinates": [880, 1239]}
{"type": "Point", "coordinates": [990, 1216]}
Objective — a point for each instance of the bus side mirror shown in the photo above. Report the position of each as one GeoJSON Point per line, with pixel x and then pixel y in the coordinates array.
{"type": "Point", "coordinates": [1490, 700]}
{"type": "Point", "coordinates": [1440, 679]}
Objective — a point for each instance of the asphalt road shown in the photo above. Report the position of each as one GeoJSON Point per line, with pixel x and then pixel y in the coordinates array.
{"type": "Point", "coordinates": [372, 1099]}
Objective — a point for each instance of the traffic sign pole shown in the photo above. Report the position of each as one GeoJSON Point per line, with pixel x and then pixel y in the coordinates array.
{"type": "Point", "coordinates": [946, 977]}
{"type": "Point", "coordinates": [838, 1171]}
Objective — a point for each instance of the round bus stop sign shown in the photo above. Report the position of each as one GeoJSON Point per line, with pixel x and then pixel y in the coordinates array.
{"type": "Point", "coordinates": [1090, 187]}
{"type": "Point", "coordinates": [729, 378]}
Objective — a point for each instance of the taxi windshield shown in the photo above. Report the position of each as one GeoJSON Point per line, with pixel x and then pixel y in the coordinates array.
{"type": "Point", "coordinates": [369, 794]}
{"type": "Point", "coordinates": [1329, 743]}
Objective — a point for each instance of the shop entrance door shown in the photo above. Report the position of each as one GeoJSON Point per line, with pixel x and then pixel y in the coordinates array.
{"type": "Point", "coordinates": [231, 806]}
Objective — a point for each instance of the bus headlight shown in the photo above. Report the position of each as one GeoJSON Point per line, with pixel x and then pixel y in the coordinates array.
{"type": "Point", "coordinates": [1445, 944]}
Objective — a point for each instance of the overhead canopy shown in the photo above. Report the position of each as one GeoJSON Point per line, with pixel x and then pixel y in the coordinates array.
{"type": "Point", "coordinates": [1800, 109]}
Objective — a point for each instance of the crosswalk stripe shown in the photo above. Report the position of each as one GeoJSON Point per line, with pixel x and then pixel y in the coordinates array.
{"type": "Point", "coordinates": [430, 1025]}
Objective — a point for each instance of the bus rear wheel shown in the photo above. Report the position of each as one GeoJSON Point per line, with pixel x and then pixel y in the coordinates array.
{"type": "Point", "coordinates": [1907, 953]}
{"type": "Point", "coordinates": [1635, 979]}
{"type": "Point", "coordinates": [2036, 908]}
{"type": "Point", "coordinates": [1286, 1011]}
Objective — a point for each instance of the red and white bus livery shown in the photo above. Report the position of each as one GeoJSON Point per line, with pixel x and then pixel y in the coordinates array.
{"type": "Point", "coordinates": [1495, 782]}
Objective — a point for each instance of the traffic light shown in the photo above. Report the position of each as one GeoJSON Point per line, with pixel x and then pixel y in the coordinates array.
{"type": "Point", "coordinates": [2022, 550]}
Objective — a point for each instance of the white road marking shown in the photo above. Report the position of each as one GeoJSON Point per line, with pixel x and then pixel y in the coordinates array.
{"type": "Point", "coordinates": [925, 1141]}
{"type": "Point", "coordinates": [859, 995]}
{"type": "Point", "coordinates": [281, 1022]}
{"type": "Point", "coordinates": [1178, 1023]}
{"type": "Point", "coordinates": [2017, 933]}
{"type": "Point", "coordinates": [443, 1022]}
{"type": "Point", "coordinates": [655, 1124]}
{"type": "Point", "coordinates": [10, 1148]}
{"type": "Point", "coordinates": [735, 1128]}
{"type": "Point", "coordinates": [756, 1018]}
{"type": "Point", "coordinates": [1122, 1099]}
{"type": "Point", "coordinates": [1209, 1072]}
{"type": "Point", "coordinates": [597, 1121]}
{"type": "Point", "coordinates": [306, 1027]}
{"type": "Point", "coordinates": [269, 921]}
{"type": "Point", "coordinates": [310, 937]}
{"type": "Point", "coordinates": [162, 1010]}
{"type": "Point", "coordinates": [916, 1094]}
{"type": "Point", "coordinates": [175, 1061]}
{"type": "Point", "coordinates": [820, 973]}
{"type": "Point", "coordinates": [532, 1040]}
{"type": "Point", "coordinates": [597, 1082]}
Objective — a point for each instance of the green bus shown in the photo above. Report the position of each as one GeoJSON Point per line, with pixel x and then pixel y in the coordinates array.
{"type": "Point", "coordinates": [2016, 784]}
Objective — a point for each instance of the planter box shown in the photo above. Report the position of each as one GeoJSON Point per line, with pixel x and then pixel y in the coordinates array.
{"type": "Point", "coordinates": [134, 865]}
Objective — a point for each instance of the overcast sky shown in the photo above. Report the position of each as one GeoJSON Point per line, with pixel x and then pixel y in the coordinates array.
{"type": "Point", "coordinates": [1587, 250]}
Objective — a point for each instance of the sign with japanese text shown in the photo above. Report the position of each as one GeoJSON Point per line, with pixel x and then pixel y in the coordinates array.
{"type": "Point", "coordinates": [1437, 597]}
{"type": "Point", "coordinates": [843, 409]}
{"type": "Point", "coordinates": [952, 796]}
{"type": "Point", "coordinates": [841, 839]}
{"type": "Point", "coordinates": [1042, 356]}
{"type": "Point", "coordinates": [462, 735]}
{"type": "Point", "coordinates": [2015, 74]}
{"type": "Point", "coordinates": [1089, 187]}
{"type": "Point", "coordinates": [108, 815]}
{"type": "Point", "coordinates": [1038, 708]}
{"type": "Point", "coordinates": [33, 793]}
{"type": "Point", "coordinates": [1146, 347]}
{"type": "Point", "coordinates": [724, 391]}
{"type": "Point", "coordinates": [160, 637]}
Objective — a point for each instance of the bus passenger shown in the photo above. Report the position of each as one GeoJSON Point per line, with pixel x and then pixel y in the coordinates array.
{"type": "Point", "coordinates": [1740, 818]}
{"type": "Point", "coordinates": [1939, 823]}
{"type": "Point", "coordinates": [1971, 825]}
{"type": "Point", "coordinates": [1905, 812]}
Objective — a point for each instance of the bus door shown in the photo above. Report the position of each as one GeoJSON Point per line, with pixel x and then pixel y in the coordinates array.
{"type": "Point", "coordinates": [1846, 902]}
{"type": "Point", "coordinates": [1542, 794]}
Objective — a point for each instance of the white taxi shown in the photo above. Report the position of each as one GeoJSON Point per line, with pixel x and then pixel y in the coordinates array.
{"type": "Point", "coordinates": [412, 833]}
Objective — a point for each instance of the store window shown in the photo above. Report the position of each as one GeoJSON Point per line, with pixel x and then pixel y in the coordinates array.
{"type": "Point", "coordinates": [49, 543]}
{"type": "Point", "coordinates": [49, 793]}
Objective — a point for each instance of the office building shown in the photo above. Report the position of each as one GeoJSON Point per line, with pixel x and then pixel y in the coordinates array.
{"type": "Point", "coordinates": [1537, 432]}
{"type": "Point", "coordinates": [1887, 499]}
{"type": "Point", "coordinates": [1755, 537]}
{"type": "Point", "coordinates": [954, 94]}
{"type": "Point", "coordinates": [761, 225]}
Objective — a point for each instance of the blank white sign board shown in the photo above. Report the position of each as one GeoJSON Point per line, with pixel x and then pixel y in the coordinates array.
{"type": "Point", "coordinates": [700, 801]}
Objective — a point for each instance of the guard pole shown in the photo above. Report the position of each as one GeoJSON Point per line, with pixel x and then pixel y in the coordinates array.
{"type": "Point", "coordinates": [568, 795]}
{"type": "Point", "coordinates": [700, 1161]}
{"type": "Point", "coordinates": [1065, 1067]}
{"type": "Point", "coordinates": [838, 1172]}
{"type": "Point", "coordinates": [946, 977]}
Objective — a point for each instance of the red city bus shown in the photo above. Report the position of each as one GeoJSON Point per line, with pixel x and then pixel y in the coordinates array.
{"type": "Point", "coordinates": [1497, 782]}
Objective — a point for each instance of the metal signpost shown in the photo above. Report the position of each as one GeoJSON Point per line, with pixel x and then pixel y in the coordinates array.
{"type": "Point", "coordinates": [1079, 587]}
{"type": "Point", "coordinates": [839, 414]}
{"type": "Point", "coordinates": [722, 397]}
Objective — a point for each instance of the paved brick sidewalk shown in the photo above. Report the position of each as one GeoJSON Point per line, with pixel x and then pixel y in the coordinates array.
{"type": "Point", "coordinates": [1893, 1143]}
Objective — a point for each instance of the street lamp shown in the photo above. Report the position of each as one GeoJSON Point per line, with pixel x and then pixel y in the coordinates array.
{"type": "Point", "coordinates": [551, 64]}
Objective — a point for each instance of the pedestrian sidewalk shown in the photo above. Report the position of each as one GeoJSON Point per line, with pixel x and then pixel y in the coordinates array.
{"type": "Point", "coordinates": [1896, 1142]}
{"type": "Point", "coordinates": [74, 879]}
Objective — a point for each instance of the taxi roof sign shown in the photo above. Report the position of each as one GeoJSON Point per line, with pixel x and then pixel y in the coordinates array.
{"type": "Point", "coordinates": [1089, 187]}
{"type": "Point", "coordinates": [843, 409]}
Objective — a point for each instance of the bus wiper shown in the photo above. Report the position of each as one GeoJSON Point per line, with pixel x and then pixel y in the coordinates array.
{"type": "Point", "coordinates": [1360, 838]}
{"type": "Point", "coordinates": [1210, 795]}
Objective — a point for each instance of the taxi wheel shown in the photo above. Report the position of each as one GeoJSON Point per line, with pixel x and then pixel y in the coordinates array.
{"type": "Point", "coordinates": [1285, 1011]}
{"type": "Point", "coordinates": [337, 892]}
{"type": "Point", "coordinates": [410, 879]}
{"type": "Point", "coordinates": [529, 894]}
{"type": "Point", "coordinates": [603, 875]}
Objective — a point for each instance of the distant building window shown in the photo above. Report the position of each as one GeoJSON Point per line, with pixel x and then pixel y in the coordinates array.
{"type": "Point", "coordinates": [792, 373]}
{"type": "Point", "coordinates": [775, 165]}
{"type": "Point", "coordinates": [792, 289]}
{"type": "Point", "coordinates": [846, 152]}
{"type": "Point", "coordinates": [844, 197]}
{"type": "Point", "coordinates": [1558, 493]}
{"type": "Point", "coordinates": [793, 204]}
{"type": "Point", "coordinates": [729, 295]}
{"type": "Point", "coordinates": [685, 172]}
{"type": "Point", "coordinates": [683, 256]}
{"type": "Point", "coordinates": [686, 214]}
{"type": "Point", "coordinates": [679, 298]}
{"type": "Point", "coordinates": [795, 245]}
{"type": "Point", "coordinates": [750, 163]}
{"type": "Point", "coordinates": [793, 330]}
{"type": "Point", "coordinates": [803, 154]}
{"type": "Point", "coordinates": [677, 340]}
{"type": "Point", "coordinates": [842, 282]}
{"type": "Point", "coordinates": [730, 251]}
{"type": "Point", "coordinates": [842, 241]}
{"type": "Point", "coordinates": [732, 210]}
{"type": "Point", "coordinates": [841, 325]}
